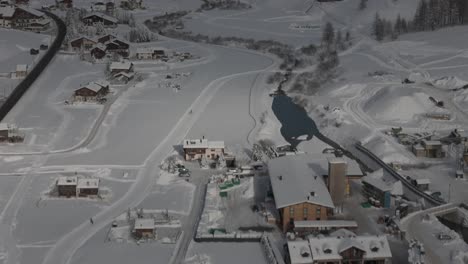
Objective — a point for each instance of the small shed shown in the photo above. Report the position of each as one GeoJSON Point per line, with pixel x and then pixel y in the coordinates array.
{"type": "Point", "coordinates": [21, 70]}
{"type": "Point", "coordinates": [4, 131]}
{"type": "Point", "coordinates": [423, 184]}
{"type": "Point", "coordinates": [144, 228]}
{"type": "Point", "coordinates": [66, 186]}
{"type": "Point", "coordinates": [87, 187]}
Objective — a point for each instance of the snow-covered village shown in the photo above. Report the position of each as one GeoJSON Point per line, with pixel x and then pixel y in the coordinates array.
{"type": "Point", "coordinates": [233, 131]}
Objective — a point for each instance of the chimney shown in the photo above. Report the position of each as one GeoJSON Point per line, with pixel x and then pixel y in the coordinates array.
{"type": "Point", "coordinates": [280, 177]}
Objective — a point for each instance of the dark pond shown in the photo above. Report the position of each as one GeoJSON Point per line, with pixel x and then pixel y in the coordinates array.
{"type": "Point", "coordinates": [294, 120]}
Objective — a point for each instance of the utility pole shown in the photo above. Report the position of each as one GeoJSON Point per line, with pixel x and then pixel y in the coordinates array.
{"type": "Point", "coordinates": [449, 191]}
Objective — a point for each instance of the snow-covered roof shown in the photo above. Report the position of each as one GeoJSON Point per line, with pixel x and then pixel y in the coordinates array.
{"type": "Point", "coordinates": [125, 74]}
{"type": "Point", "coordinates": [195, 143]}
{"type": "Point", "coordinates": [126, 65]}
{"type": "Point", "coordinates": [67, 180]}
{"type": "Point", "coordinates": [432, 142]}
{"type": "Point", "coordinates": [103, 16]}
{"type": "Point", "coordinates": [298, 179]}
{"type": "Point", "coordinates": [147, 50]}
{"type": "Point", "coordinates": [299, 252]}
{"type": "Point", "coordinates": [144, 223]}
{"type": "Point", "coordinates": [323, 224]}
{"type": "Point", "coordinates": [100, 46]}
{"type": "Point", "coordinates": [329, 248]}
{"type": "Point", "coordinates": [7, 11]}
{"type": "Point", "coordinates": [378, 183]}
{"type": "Point", "coordinates": [88, 183]}
{"type": "Point", "coordinates": [22, 67]}
{"type": "Point", "coordinates": [216, 144]}
{"type": "Point", "coordinates": [423, 181]}
{"type": "Point", "coordinates": [203, 143]}
{"type": "Point", "coordinates": [102, 83]}
{"type": "Point", "coordinates": [353, 168]}
{"type": "Point", "coordinates": [4, 126]}
{"type": "Point", "coordinates": [31, 11]}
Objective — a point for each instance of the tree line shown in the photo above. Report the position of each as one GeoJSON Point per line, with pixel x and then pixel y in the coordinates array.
{"type": "Point", "coordinates": [429, 15]}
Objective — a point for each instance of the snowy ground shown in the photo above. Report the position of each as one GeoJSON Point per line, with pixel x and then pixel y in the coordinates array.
{"type": "Point", "coordinates": [223, 98]}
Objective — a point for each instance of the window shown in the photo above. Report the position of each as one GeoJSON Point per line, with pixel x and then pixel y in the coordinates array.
{"type": "Point", "coordinates": [291, 211]}
{"type": "Point", "coordinates": [318, 211]}
{"type": "Point", "coordinates": [305, 213]}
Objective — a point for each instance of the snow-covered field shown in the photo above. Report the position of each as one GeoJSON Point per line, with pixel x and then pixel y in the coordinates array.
{"type": "Point", "coordinates": [224, 97]}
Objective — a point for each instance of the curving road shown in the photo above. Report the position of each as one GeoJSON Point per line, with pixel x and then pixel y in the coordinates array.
{"type": "Point", "coordinates": [24, 85]}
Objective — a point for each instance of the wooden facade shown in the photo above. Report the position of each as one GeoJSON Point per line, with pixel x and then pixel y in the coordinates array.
{"type": "Point", "coordinates": [300, 212]}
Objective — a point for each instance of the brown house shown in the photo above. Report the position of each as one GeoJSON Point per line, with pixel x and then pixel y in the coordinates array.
{"type": "Point", "coordinates": [299, 190]}
{"type": "Point", "coordinates": [66, 186]}
{"type": "Point", "coordinates": [196, 149]}
{"type": "Point", "coordinates": [144, 228]}
{"type": "Point", "coordinates": [98, 51]}
{"type": "Point", "coordinates": [87, 187]}
{"type": "Point", "coordinates": [117, 67]}
{"type": "Point", "coordinates": [82, 43]}
{"type": "Point", "coordinates": [30, 19]}
{"type": "Point", "coordinates": [93, 90]}
{"type": "Point", "coordinates": [100, 18]}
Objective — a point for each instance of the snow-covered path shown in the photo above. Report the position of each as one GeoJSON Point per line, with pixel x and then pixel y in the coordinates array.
{"type": "Point", "coordinates": [67, 245]}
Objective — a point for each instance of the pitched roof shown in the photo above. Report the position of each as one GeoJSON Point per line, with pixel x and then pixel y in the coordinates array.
{"type": "Point", "coordinates": [103, 16]}
{"type": "Point", "coordinates": [298, 179]}
{"type": "Point", "coordinates": [121, 65]}
{"type": "Point", "coordinates": [31, 11]}
{"type": "Point", "coordinates": [375, 247]}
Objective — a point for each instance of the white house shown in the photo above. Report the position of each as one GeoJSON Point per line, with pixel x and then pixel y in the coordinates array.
{"type": "Point", "coordinates": [196, 149]}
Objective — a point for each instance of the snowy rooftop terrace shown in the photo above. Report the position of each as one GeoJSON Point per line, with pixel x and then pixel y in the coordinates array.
{"type": "Point", "coordinates": [88, 183]}
{"type": "Point", "coordinates": [202, 143]}
{"type": "Point", "coordinates": [67, 181]}
{"type": "Point", "coordinates": [144, 223]}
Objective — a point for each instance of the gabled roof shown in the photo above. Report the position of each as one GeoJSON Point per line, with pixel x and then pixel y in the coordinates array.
{"type": "Point", "coordinates": [103, 16]}
{"type": "Point", "coordinates": [126, 65]}
{"type": "Point", "coordinates": [298, 179]}
{"type": "Point", "coordinates": [67, 181]}
{"type": "Point", "coordinates": [83, 37]}
{"type": "Point", "coordinates": [96, 86]}
{"type": "Point", "coordinates": [348, 243]}
{"type": "Point", "coordinates": [31, 11]}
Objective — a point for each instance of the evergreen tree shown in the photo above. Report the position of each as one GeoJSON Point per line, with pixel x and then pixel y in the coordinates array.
{"type": "Point", "coordinates": [378, 28]}
{"type": "Point", "coordinates": [363, 4]}
{"type": "Point", "coordinates": [328, 36]}
{"type": "Point", "coordinates": [339, 41]}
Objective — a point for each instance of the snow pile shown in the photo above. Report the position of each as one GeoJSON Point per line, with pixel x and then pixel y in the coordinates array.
{"type": "Point", "coordinates": [386, 151]}
{"type": "Point", "coordinates": [417, 77]}
{"type": "Point", "coordinates": [398, 105]}
{"type": "Point", "coordinates": [449, 83]}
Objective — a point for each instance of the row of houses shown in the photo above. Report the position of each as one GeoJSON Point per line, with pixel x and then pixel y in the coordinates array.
{"type": "Point", "coordinates": [101, 46]}
{"type": "Point", "coordinates": [23, 18]}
